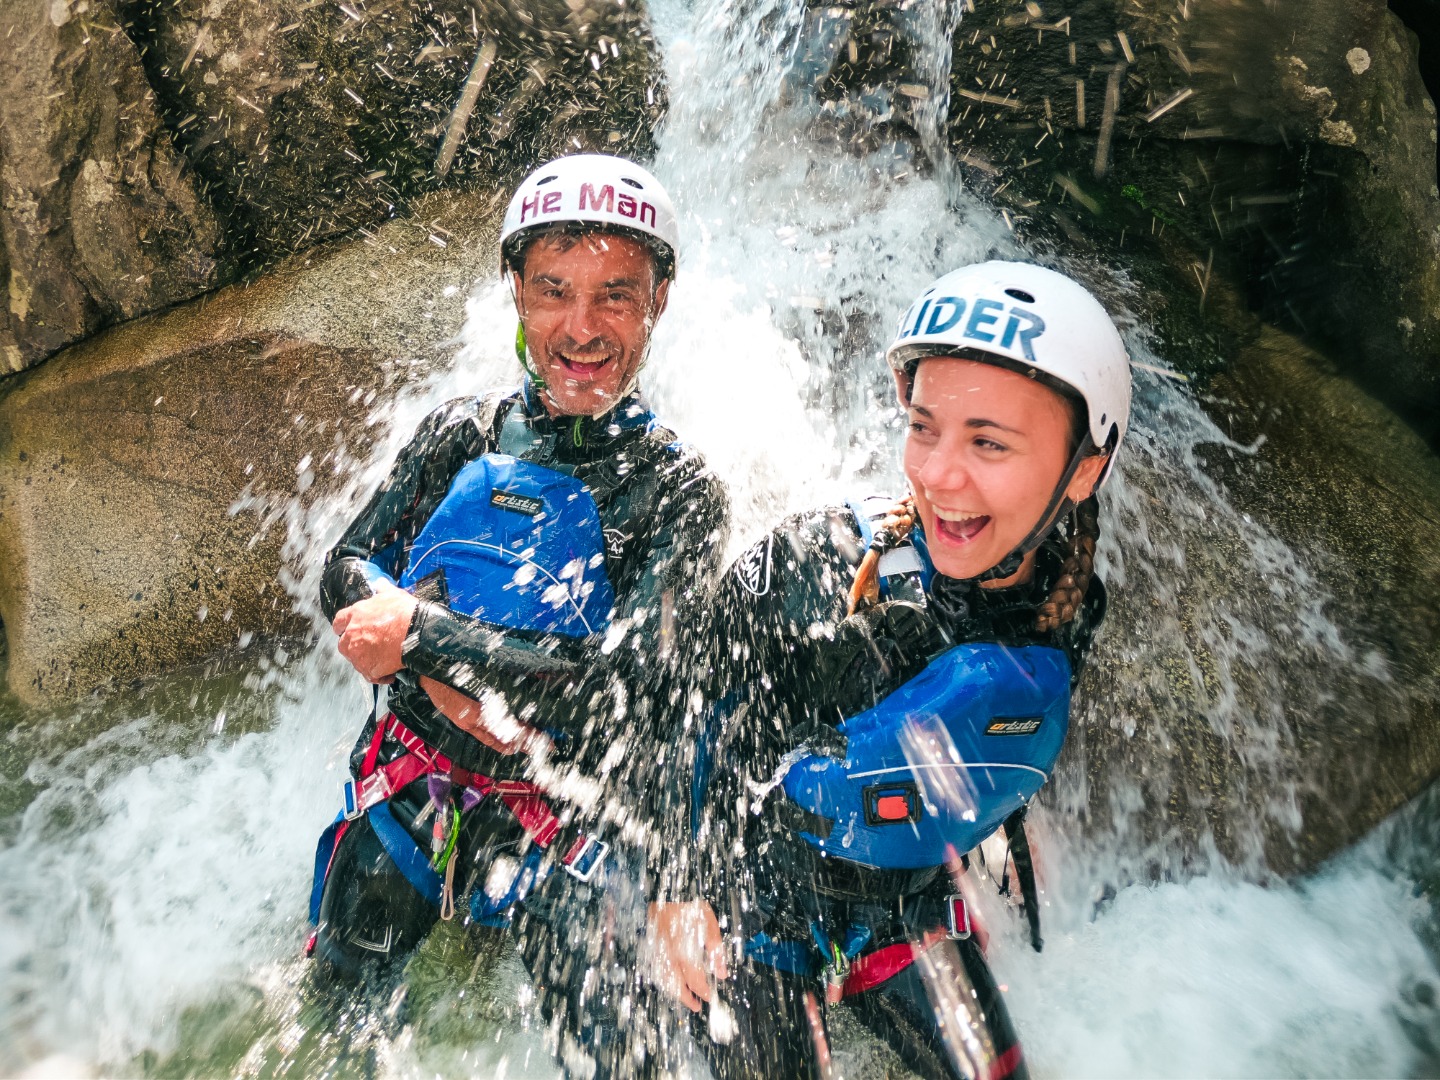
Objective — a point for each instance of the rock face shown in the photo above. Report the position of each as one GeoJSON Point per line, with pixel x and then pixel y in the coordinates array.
{"type": "Point", "coordinates": [1287, 149]}
{"type": "Point", "coordinates": [1342, 479]}
{"type": "Point", "coordinates": [1244, 702]}
{"type": "Point", "coordinates": [121, 458]}
{"type": "Point", "coordinates": [307, 120]}
{"type": "Point", "coordinates": [152, 150]}
{"type": "Point", "coordinates": [115, 496]}
{"type": "Point", "coordinates": [100, 218]}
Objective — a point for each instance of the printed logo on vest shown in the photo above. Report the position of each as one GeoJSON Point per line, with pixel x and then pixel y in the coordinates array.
{"type": "Point", "coordinates": [1024, 725]}
{"type": "Point", "coordinates": [753, 568]}
{"type": "Point", "coordinates": [615, 542]}
{"type": "Point", "coordinates": [521, 504]}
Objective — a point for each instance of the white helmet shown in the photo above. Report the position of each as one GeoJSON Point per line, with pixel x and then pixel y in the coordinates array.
{"type": "Point", "coordinates": [1031, 320]}
{"type": "Point", "coordinates": [594, 188]}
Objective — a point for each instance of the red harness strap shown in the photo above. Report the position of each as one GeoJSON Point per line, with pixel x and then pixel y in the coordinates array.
{"type": "Point", "coordinates": [378, 782]}
{"type": "Point", "coordinates": [869, 970]}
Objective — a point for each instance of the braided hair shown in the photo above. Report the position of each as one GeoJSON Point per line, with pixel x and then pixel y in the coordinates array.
{"type": "Point", "coordinates": [1059, 608]}
{"type": "Point", "coordinates": [1075, 571]}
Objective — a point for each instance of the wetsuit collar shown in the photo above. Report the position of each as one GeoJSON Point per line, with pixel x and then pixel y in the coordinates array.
{"type": "Point", "coordinates": [630, 413]}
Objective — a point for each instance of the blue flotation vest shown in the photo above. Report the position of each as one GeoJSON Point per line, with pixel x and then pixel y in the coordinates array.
{"type": "Point", "coordinates": [515, 543]}
{"type": "Point", "coordinates": [945, 758]}
{"type": "Point", "coordinates": [512, 543]}
{"type": "Point", "coordinates": [519, 545]}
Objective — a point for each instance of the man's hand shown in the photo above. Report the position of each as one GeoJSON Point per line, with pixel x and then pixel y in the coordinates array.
{"type": "Point", "coordinates": [373, 631]}
{"type": "Point", "coordinates": [689, 950]}
{"type": "Point", "coordinates": [496, 728]}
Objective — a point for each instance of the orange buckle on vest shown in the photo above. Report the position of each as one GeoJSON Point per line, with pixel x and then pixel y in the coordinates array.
{"type": "Point", "coordinates": [893, 804]}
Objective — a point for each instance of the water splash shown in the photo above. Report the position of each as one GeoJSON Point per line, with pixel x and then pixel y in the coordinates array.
{"type": "Point", "coordinates": [156, 877]}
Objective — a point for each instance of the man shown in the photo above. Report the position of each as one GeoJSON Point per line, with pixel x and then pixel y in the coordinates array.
{"type": "Point", "coordinates": [551, 543]}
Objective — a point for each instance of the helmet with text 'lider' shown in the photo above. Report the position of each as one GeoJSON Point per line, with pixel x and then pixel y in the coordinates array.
{"type": "Point", "coordinates": [609, 193]}
{"type": "Point", "coordinates": [1030, 320]}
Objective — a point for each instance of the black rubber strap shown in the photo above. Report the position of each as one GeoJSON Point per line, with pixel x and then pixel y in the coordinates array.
{"type": "Point", "coordinates": [1025, 871]}
{"type": "Point", "coordinates": [787, 814]}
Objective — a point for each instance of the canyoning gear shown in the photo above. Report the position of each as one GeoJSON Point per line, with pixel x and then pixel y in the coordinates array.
{"type": "Point", "coordinates": [927, 671]}
{"type": "Point", "coordinates": [942, 760]}
{"type": "Point", "coordinates": [370, 792]}
{"type": "Point", "coordinates": [592, 189]}
{"type": "Point", "coordinates": [994, 720]}
{"type": "Point", "coordinates": [516, 544]}
{"type": "Point", "coordinates": [659, 512]}
{"type": "Point", "coordinates": [885, 988]}
{"type": "Point", "coordinates": [526, 537]}
{"type": "Point", "coordinates": [1029, 319]}
{"type": "Point", "coordinates": [784, 616]}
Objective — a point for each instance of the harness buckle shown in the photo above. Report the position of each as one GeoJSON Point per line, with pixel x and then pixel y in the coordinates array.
{"type": "Point", "coordinates": [351, 801]}
{"type": "Point", "coordinates": [585, 857]}
{"type": "Point", "coordinates": [957, 917]}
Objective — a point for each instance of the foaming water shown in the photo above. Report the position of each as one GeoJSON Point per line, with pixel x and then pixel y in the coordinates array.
{"type": "Point", "coordinates": [1219, 977]}
{"type": "Point", "coordinates": [153, 884]}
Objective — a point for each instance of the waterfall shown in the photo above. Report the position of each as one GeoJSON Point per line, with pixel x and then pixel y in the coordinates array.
{"type": "Point", "coordinates": [153, 887]}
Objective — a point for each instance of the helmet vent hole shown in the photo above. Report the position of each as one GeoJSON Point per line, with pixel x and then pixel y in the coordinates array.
{"type": "Point", "coordinates": [1102, 418]}
{"type": "Point", "coordinates": [1021, 295]}
{"type": "Point", "coordinates": [545, 180]}
{"type": "Point", "coordinates": [632, 183]}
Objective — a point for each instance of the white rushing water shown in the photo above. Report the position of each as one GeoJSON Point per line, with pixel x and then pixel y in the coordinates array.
{"type": "Point", "coordinates": [152, 894]}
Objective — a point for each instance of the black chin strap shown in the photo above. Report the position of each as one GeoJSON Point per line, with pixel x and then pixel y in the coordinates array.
{"type": "Point", "coordinates": [1060, 505]}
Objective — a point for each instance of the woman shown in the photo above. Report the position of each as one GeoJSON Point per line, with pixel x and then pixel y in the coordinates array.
{"type": "Point", "coordinates": [896, 687]}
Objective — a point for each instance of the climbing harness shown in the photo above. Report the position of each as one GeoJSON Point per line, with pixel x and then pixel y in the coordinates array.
{"type": "Point", "coordinates": [432, 875]}
{"type": "Point", "coordinates": [520, 546]}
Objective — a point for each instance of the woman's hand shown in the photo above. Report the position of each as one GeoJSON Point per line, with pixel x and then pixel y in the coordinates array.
{"type": "Point", "coordinates": [496, 728]}
{"type": "Point", "coordinates": [689, 951]}
{"type": "Point", "coordinates": [372, 632]}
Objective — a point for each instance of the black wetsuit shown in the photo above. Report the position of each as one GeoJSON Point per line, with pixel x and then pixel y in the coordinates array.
{"type": "Point", "coordinates": [607, 699]}
{"type": "Point", "coordinates": [790, 666]}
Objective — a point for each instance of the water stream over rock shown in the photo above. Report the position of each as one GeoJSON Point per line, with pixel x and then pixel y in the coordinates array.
{"type": "Point", "coordinates": [155, 847]}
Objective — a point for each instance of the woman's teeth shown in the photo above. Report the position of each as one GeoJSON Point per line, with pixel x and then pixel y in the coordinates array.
{"type": "Point", "coordinates": [960, 524]}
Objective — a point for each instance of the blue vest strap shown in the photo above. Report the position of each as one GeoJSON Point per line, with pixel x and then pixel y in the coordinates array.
{"type": "Point", "coordinates": [405, 853]}
{"type": "Point", "coordinates": [324, 852]}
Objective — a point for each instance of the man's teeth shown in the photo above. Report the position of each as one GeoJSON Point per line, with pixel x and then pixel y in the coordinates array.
{"type": "Point", "coordinates": [584, 362]}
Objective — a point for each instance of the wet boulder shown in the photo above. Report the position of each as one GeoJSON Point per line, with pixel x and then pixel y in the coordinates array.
{"type": "Point", "coordinates": [308, 120]}
{"type": "Point", "coordinates": [1266, 688]}
{"type": "Point", "coordinates": [146, 474]}
{"type": "Point", "coordinates": [1288, 149]}
{"type": "Point", "coordinates": [101, 218]}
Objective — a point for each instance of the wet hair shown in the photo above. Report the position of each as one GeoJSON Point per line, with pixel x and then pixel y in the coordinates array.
{"type": "Point", "coordinates": [570, 233]}
{"type": "Point", "coordinates": [1082, 528]}
{"type": "Point", "coordinates": [1076, 569]}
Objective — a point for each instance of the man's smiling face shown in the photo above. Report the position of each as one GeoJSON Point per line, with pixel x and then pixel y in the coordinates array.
{"type": "Point", "coordinates": [587, 304]}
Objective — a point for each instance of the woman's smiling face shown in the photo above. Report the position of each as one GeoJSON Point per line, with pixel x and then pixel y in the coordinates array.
{"type": "Point", "coordinates": [985, 451]}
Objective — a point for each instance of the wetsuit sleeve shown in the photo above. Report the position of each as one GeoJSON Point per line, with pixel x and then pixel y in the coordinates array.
{"type": "Point", "coordinates": [773, 611]}
{"type": "Point", "coordinates": [375, 542]}
{"type": "Point", "coordinates": [687, 546]}
{"type": "Point", "coordinates": [574, 687]}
